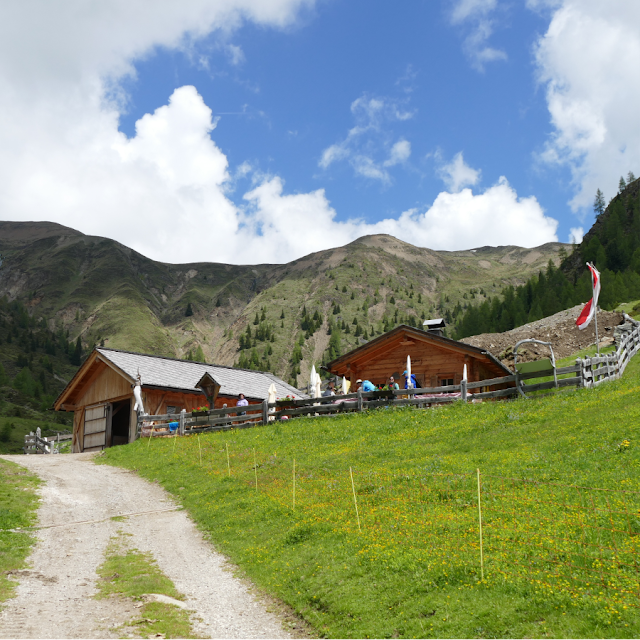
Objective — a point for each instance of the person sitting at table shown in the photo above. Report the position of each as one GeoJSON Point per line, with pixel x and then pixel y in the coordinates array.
{"type": "Point", "coordinates": [391, 384]}
{"type": "Point", "coordinates": [243, 402]}
{"type": "Point", "coordinates": [330, 390]}
{"type": "Point", "coordinates": [366, 385]}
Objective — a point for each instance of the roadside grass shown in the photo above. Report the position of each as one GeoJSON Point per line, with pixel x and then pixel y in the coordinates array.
{"type": "Point", "coordinates": [132, 574]}
{"type": "Point", "coordinates": [561, 514]}
{"type": "Point", "coordinates": [18, 505]}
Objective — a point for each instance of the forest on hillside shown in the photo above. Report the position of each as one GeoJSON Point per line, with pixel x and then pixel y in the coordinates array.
{"type": "Point", "coordinates": [612, 245]}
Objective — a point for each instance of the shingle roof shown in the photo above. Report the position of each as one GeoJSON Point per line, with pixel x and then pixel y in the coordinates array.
{"type": "Point", "coordinates": [156, 371]}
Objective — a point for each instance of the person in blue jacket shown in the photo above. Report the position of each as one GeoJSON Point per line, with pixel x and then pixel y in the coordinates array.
{"type": "Point", "coordinates": [366, 385]}
{"type": "Point", "coordinates": [414, 383]}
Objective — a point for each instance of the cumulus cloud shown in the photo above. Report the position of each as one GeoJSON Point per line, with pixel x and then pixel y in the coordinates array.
{"type": "Point", "coordinates": [476, 16]}
{"type": "Point", "coordinates": [460, 220]}
{"type": "Point", "coordinates": [457, 174]}
{"type": "Point", "coordinates": [587, 60]}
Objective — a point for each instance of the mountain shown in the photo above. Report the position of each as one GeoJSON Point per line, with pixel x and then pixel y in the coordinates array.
{"type": "Point", "coordinates": [106, 293]}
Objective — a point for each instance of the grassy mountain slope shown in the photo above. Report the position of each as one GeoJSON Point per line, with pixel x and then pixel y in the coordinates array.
{"type": "Point", "coordinates": [102, 291]}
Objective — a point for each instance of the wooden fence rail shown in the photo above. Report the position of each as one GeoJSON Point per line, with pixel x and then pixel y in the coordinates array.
{"type": "Point", "coordinates": [35, 443]}
{"type": "Point", "coordinates": [587, 372]}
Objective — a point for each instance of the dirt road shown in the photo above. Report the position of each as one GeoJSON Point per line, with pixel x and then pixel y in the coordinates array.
{"type": "Point", "coordinates": [54, 598]}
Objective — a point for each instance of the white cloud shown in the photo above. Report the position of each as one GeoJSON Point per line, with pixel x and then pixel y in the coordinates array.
{"type": "Point", "coordinates": [575, 235]}
{"type": "Point", "coordinates": [235, 54]}
{"type": "Point", "coordinates": [399, 153]}
{"type": "Point", "coordinates": [454, 221]}
{"type": "Point", "coordinates": [588, 60]}
{"type": "Point", "coordinates": [477, 14]}
{"type": "Point", "coordinates": [457, 174]}
{"type": "Point", "coordinates": [368, 137]}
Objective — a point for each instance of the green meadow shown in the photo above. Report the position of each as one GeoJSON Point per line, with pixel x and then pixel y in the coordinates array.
{"type": "Point", "coordinates": [18, 505]}
{"type": "Point", "coordinates": [369, 525]}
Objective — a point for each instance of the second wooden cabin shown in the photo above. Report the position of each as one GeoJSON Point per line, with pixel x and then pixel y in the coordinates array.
{"type": "Point", "coordinates": [436, 361]}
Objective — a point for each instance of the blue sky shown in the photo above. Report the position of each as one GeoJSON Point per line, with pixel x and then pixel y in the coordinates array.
{"type": "Point", "coordinates": [288, 126]}
{"type": "Point", "coordinates": [290, 96]}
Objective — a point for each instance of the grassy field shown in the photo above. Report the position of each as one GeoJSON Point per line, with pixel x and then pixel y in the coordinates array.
{"type": "Point", "coordinates": [18, 504]}
{"type": "Point", "coordinates": [560, 498]}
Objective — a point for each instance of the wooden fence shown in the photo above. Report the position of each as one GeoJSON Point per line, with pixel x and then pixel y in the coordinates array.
{"type": "Point", "coordinates": [35, 443]}
{"type": "Point", "coordinates": [587, 372]}
{"type": "Point", "coordinates": [596, 370]}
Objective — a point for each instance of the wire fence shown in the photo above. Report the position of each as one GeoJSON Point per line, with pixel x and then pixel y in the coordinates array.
{"type": "Point", "coordinates": [577, 544]}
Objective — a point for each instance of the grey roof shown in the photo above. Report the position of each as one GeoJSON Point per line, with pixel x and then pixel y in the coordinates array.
{"type": "Point", "coordinates": [168, 373]}
{"type": "Point", "coordinates": [435, 323]}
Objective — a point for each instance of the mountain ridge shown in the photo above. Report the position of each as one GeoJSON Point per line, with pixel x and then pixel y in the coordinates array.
{"type": "Point", "coordinates": [105, 292]}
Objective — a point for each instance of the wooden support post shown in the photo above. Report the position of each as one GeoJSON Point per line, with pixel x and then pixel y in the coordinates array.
{"type": "Point", "coordinates": [360, 399]}
{"type": "Point", "coordinates": [265, 412]}
{"type": "Point", "coordinates": [463, 390]}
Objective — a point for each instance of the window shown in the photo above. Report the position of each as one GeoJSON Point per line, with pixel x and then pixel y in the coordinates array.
{"type": "Point", "coordinates": [445, 382]}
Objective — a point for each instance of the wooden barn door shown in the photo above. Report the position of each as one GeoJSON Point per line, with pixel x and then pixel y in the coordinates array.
{"type": "Point", "coordinates": [95, 427]}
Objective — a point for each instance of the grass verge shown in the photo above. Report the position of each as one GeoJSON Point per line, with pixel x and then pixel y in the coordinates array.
{"type": "Point", "coordinates": [18, 505]}
{"type": "Point", "coordinates": [132, 574]}
{"type": "Point", "coordinates": [561, 514]}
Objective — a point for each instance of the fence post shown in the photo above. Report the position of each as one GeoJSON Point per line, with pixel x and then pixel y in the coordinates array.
{"type": "Point", "coordinates": [265, 412]}
{"type": "Point", "coordinates": [463, 390]}
{"type": "Point", "coordinates": [183, 414]}
{"type": "Point", "coordinates": [480, 521]}
{"type": "Point", "coordinates": [360, 399]}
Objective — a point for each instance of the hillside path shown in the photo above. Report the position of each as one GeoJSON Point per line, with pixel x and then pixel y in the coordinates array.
{"type": "Point", "coordinates": [54, 596]}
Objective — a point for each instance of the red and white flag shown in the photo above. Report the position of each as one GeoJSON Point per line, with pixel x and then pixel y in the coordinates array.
{"type": "Point", "coordinates": [589, 310]}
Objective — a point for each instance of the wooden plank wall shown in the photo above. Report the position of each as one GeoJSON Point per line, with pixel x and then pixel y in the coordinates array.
{"type": "Point", "coordinates": [429, 363]}
{"type": "Point", "coordinates": [108, 385]}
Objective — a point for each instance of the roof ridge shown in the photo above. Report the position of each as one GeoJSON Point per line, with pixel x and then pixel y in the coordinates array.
{"type": "Point", "coordinates": [202, 364]}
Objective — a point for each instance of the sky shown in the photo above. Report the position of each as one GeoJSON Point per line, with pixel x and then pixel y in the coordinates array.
{"type": "Point", "coordinates": [259, 131]}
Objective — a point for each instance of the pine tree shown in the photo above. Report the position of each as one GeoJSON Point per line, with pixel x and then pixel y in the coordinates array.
{"type": "Point", "coordinates": [392, 300]}
{"type": "Point", "coordinates": [621, 185]}
{"type": "Point", "coordinates": [218, 303]}
{"type": "Point", "coordinates": [630, 177]}
{"type": "Point", "coordinates": [256, 320]}
{"type": "Point", "coordinates": [189, 311]}
{"type": "Point", "coordinates": [344, 288]}
{"type": "Point", "coordinates": [282, 315]}
{"type": "Point", "coordinates": [599, 203]}
{"type": "Point", "coordinates": [76, 357]}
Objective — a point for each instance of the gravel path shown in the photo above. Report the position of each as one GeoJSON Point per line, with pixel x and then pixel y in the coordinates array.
{"type": "Point", "coordinates": [54, 596]}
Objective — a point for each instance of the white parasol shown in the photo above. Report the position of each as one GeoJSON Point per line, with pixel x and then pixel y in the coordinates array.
{"type": "Point", "coordinates": [312, 381]}
{"type": "Point", "coordinates": [409, 381]}
{"type": "Point", "coordinates": [345, 388]}
{"type": "Point", "coordinates": [318, 389]}
{"type": "Point", "coordinates": [271, 398]}
{"type": "Point", "coordinates": [137, 394]}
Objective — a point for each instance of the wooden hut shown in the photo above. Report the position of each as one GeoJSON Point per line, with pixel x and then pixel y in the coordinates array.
{"type": "Point", "coordinates": [101, 392]}
{"type": "Point", "coordinates": [435, 360]}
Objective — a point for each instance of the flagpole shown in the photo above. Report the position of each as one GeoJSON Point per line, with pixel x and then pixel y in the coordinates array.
{"type": "Point", "coordinates": [595, 316]}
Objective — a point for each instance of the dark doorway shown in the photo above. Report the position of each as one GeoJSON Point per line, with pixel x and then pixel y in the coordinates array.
{"type": "Point", "coordinates": [120, 422]}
